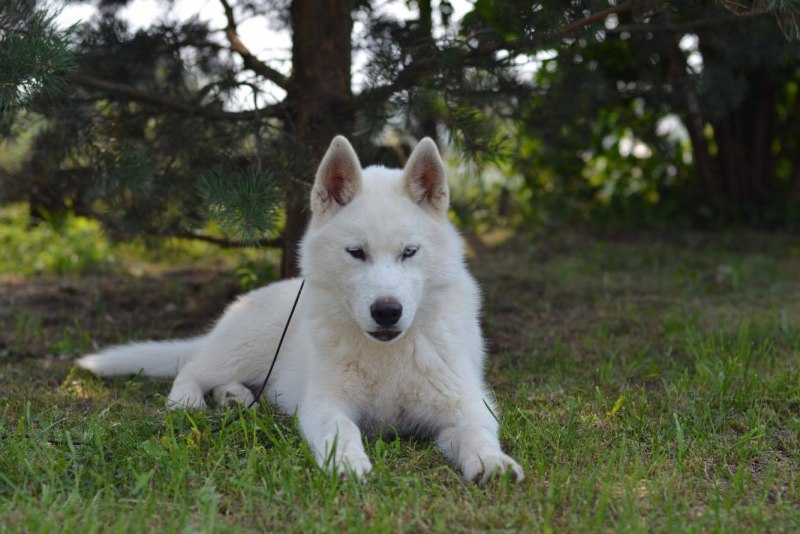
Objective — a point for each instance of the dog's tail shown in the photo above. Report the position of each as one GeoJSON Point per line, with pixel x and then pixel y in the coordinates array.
{"type": "Point", "coordinates": [152, 358]}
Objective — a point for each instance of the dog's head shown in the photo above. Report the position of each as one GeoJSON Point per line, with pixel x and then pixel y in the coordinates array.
{"type": "Point", "coordinates": [379, 243]}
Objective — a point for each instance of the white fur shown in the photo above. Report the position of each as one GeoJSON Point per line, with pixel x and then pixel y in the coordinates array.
{"type": "Point", "coordinates": [338, 378]}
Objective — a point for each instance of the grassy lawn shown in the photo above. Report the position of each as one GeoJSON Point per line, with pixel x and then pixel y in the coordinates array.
{"type": "Point", "coordinates": [648, 383]}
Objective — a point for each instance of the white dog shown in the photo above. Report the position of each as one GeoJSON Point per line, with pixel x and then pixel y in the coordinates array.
{"type": "Point", "coordinates": [386, 333]}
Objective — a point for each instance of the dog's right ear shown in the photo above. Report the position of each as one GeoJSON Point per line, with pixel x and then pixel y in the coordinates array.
{"type": "Point", "coordinates": [338, 178]}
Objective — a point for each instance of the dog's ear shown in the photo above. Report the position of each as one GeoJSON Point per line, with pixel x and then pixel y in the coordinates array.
{"type": "Point", "coordinates": [338, 178]}
{"type": "Point", "coordinates": [425, 177]}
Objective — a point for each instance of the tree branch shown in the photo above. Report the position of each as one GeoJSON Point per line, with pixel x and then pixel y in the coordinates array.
{"type": "Point", "coordinates": [222, 242]}
{"type": "Point", "coordinates": [250, 61]}
{"type": "Point", "coordinates": [687, 26]}
{"type": "Point", "coordinates": [576, 25]}
{"type": "Point", "coordinates": [408, 74]}
{"type": "Point", "coordinates": [130, 92]}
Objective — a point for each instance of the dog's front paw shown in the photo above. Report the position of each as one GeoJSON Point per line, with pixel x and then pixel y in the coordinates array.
{"type": "Point", "coordinates": [344, 465]}
{"type": "Point", "coordinates": [358, 465]}
{"type": "Point", "coordinates": [186, 396]}
{"type": "Point", "coordinates": [483, 467]}
{"type": "Point", "coordinates": [193, 402]}
{"type": "Point", "coordinates": [232, 394]}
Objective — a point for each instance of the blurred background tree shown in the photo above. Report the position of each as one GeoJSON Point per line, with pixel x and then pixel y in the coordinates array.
{"type": "Point", "coordinates": [597, 110]}
{"type": "Point", "coordinates": [669, 110]}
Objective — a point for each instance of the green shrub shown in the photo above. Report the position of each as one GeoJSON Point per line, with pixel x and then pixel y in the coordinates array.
{"type": "Point", "coordinates": [69, 245]}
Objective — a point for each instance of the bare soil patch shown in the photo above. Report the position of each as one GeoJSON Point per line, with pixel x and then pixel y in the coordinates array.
{"type": "Point", "coordinates": [37, 311]}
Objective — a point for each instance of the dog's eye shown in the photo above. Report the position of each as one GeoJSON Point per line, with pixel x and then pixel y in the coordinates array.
{"type": "Point", "coordinates": [409, 251]}
{"type": "Point", "coordinates": [357, 253]}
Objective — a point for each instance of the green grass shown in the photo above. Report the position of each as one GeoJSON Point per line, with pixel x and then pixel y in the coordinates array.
{"type": "Point", "coordinates": [647, 384]}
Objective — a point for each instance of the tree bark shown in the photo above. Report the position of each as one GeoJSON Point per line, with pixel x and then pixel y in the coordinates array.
{"type": "Point", "coordinates": [744, 138]}
{"type": "Point", "coordinates": [319, 97]}
{"type": "Point", "coordinates": [423, 120]}
{"type": "Point", "coordinates": [688, 107]}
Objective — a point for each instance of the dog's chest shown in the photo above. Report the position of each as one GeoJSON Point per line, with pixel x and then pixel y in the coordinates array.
{"type": "Point", "coordinates": [399, 393]}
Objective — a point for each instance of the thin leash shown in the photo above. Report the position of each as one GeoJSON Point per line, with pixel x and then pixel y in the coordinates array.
{"type": "Point", "coordinates": [277, 350]}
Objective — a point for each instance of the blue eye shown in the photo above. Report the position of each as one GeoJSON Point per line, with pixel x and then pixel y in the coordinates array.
{"type": "Point", "coordinates": [357, 253]}
{"type": "Point", "coordinates": [409, 252]}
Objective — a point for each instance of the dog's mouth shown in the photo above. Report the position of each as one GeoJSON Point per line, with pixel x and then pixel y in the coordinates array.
{"type": "Point", "coordinates": [385, 335]}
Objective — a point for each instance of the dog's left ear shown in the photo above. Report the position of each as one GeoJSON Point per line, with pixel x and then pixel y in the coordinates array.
{"type": "Point", "coordinates": [425, 177]}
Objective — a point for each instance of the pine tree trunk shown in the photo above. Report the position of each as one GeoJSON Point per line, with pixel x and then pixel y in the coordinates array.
{"type": "Point", "coordinates": [688, 107]}
{"type": "Point", "coordinates": [319, 96]}
{"type": "Point", "coordinates": [424, 120]}
{"type": "Point", "coordinates": [744, 138]}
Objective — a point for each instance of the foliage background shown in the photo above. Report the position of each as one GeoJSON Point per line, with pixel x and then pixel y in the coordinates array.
{"type": "Point", "coordinates": [595, 112]}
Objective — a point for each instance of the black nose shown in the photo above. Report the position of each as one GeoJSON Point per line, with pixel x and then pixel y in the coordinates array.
{"type": "Point", "coordinates": [386, 311]}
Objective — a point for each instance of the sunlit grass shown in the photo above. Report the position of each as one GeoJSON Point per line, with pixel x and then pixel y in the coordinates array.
{"type": "Point", "coordinates": [78, 245]}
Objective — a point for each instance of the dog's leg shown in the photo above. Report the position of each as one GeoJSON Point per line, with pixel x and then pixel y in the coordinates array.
{"type": "Point", "coordinates": [471, 442]}
{"type": "Point", "coordinates": [186, 394]}
{"type": "Point", "coordinates": [231, 394]}
{"type": "Point", "coordinates": [333, 437]}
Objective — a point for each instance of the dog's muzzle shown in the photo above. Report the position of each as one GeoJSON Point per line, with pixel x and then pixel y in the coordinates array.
{"type": "Point", "coordinates": [386, 312]}
{"type": "Point", "coordinates": [385, 335]}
